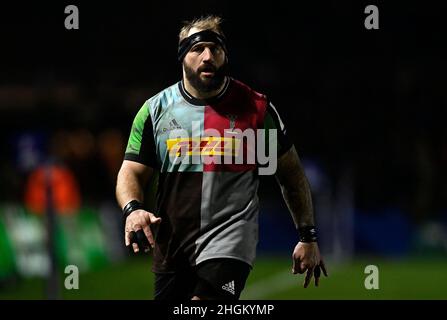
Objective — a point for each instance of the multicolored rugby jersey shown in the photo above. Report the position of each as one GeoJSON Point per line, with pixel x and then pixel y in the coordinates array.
{"type": "Point", "coordinates": [208, 210]}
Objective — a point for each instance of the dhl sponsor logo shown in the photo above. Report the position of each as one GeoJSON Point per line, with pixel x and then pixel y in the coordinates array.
{"type": "Point", "coordinates": [204, 146]}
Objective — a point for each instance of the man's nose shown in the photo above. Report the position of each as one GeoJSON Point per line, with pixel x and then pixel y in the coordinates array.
{"type": "Point", "coordinates": [207, 54]}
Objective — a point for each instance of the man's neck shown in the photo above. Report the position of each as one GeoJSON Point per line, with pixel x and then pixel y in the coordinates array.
{"type": "Point", "coordinates": [200, 94]}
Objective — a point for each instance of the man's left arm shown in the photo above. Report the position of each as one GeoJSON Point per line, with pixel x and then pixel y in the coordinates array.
{"type": "Point", "coordinates": [296, 192]}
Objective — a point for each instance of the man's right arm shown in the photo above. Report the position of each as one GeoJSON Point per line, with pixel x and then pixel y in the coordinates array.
{"type": "Point", "coordinates": [132, 178]}
{"type": "Point", "coordinates": [139, 159]}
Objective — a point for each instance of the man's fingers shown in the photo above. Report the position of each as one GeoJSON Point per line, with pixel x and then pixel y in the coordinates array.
{"type": "Point", "coordinates": [140, 238]}
{"type": "Point", "coordinates": [298, 267]}
{"type": "Point", "coordinates": [151, 219]}
{"type": "Point", "coordinates": [317, 273]}
{"type": "Point", "coordinates": [149, 236]}
{"type": "Point", "coordinates": [303, 267]}
{"type": "Point", "coordinates": [133, 241]}
{"type": "Point", "coordinates": [308, 277]}
{"type": "Point", "coordinates": [132, 237]}
{"type": "Point", "coordinates": [293, 265]}
{"type": "Point", "coordinates": [127, 241]}
{"type": "Point", "coordinates": [154, 219]}
{"type": "Point", "coordinates": [127, 238]}
{"type": "Point", "coordinates": [142, 241]}
{"type": "Point", "coordinates": [323, 267]}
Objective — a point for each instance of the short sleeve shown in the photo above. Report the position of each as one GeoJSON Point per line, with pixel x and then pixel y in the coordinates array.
{"type": "Point", "coordinates": [272, 120]}
{"type": "Point", "coordinates": [141, 144]}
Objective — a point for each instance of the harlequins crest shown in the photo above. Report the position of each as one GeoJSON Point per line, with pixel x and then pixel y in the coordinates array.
{"type": "Point", "coordinates": [232, 118]}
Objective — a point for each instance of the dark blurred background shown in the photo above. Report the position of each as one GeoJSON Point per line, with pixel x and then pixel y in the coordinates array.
{"type": "Point", "coordinates": [366, 110]}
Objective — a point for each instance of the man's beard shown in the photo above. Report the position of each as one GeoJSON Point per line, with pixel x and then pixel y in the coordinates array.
{"type": "Point", "coordinates": [207, 84]}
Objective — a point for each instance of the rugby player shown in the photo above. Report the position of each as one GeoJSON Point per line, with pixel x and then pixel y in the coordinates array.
{"type": "Point", "coordinates": [204, 230]}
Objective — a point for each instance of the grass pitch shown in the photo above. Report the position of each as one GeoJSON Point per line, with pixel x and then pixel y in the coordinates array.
{"type": "Point", "coordinates": [271, 278]}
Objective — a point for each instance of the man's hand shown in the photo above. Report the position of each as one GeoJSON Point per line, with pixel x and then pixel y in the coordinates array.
{"type": "Point", "coordinates": [138, 231]}
{"type": "Point", "coordinates": [306, 256]}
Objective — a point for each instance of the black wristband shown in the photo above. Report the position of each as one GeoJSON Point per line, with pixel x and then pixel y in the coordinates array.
{"type": "Point", "coordinates": [130, 207]}
{"type": "Point", "coordinates": [308, 234]}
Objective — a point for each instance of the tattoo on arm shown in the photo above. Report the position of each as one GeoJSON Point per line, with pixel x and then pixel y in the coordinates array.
{"type": "Point", "coordinates": [295, 188]}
